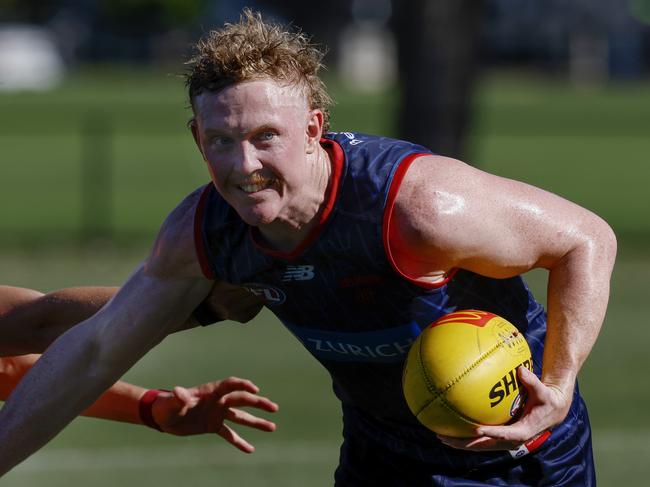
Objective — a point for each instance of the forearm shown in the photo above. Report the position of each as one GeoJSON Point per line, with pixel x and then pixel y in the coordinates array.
{"type": "Point", "coordinates": [578, 293]}
{"type": "Point", "coordinates": [30, 321]}
{"type": "Point", "coordinates": [12, 369]}
{"type": "Point", "coordinates": [62, 309]}
{"type": "Point", "coordinates": [65, 307]}
{"type": "Point", "coordinates": [119, 403]}
{"type": "Point", "coordinates": [91, 357]}
{"type": "Point", "coordinates": [55, 390]}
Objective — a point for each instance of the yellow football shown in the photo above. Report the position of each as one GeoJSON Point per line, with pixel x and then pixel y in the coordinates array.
{"type": "Point", "coordinates": [461, 372]}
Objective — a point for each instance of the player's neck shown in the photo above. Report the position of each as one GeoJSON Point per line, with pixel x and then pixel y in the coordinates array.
{"type": "Point", "coordinates": [286, 234]}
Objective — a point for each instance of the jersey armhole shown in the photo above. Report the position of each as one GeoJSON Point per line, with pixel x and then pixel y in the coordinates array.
{"type": "Point", "coordinates": [395, 184]}
{"type": "Point", "coordinates": [199, 241]}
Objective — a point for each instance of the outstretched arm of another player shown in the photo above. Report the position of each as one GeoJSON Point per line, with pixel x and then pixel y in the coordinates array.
{"type": "Point", "coordinates": [31, 320]}
{"type": "Point", "coordinates": [182, 411]}
{"type": "Point", "coordinates": [205, 408]}
{"type": "Point", "coordinates": [501, 228]}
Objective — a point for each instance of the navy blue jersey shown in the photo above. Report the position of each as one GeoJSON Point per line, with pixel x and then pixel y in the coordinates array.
{"type": "Point", "coordinates": [342, 297]}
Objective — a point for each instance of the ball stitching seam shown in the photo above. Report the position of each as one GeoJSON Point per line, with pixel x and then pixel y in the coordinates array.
{"type": "Point", "coordinates": [439, 393]}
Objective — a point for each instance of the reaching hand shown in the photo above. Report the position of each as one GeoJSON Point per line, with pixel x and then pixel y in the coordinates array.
{"type": "Point", "coordinates": [545, 407]}
{"type": "Point", "coordinates": [204, 409]}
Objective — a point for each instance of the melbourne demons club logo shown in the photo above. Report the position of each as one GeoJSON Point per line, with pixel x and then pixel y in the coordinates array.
{"type": "Point", "coordinates": [270, 294]}
{"type": "Point", "coordinates": [470, 316]}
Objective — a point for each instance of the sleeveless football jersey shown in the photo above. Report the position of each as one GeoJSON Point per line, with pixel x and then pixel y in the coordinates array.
{"type": "Point", "coordinates": [339, 294]}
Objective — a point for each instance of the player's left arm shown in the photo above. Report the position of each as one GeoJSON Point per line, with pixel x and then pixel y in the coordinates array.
{"type": "Point", "coordinates": [31, 320]}
{"type": "Point", "coordinates": [450, 215]}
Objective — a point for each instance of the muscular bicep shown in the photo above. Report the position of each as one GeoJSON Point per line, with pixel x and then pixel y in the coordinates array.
{"type": "Point", "coordinates": [450, 215]}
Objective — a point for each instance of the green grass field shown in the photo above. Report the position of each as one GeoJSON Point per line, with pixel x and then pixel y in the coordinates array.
{"type": "Point", "coordinates": [587, 146]}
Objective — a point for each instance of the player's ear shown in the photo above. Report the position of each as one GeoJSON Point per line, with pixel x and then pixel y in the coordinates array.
{"type": "Point", "coordinates": [314, 130]}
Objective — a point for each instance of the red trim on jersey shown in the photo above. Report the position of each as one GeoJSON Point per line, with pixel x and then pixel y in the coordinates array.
{"type": "Point", "coordinates": [398, 177]}
{"type": "Point", "coordinates": [199, 244]}
{"type": "Point", "coordinates": [338, 163]}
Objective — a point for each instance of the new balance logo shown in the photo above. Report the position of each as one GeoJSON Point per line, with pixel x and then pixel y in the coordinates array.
{"type": "Point", "coordinates": [298, 273]}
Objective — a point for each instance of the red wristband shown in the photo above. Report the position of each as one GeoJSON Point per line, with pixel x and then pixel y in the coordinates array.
{"type": "Point", "coordinates": [145, 405]}
{"type": "Point", "coordinates": [531, 445]}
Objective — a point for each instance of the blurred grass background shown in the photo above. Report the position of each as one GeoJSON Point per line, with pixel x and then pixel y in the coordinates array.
{"type": "Point", "coordinates": [589, 146]}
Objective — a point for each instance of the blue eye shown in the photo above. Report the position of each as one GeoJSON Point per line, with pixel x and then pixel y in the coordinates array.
{"type": "Point", "coordinates": [267, 135]}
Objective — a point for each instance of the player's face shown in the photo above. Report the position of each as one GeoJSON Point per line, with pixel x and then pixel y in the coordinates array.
{"type": "Point", "coordinates": [260, 139]}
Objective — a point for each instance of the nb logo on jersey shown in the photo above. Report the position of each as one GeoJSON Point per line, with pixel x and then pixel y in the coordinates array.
{"type": "Point", "coordinates": [298, 273]}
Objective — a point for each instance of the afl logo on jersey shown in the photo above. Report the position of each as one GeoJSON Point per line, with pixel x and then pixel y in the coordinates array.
{"type": "Point", "coordinates": [271, 295]}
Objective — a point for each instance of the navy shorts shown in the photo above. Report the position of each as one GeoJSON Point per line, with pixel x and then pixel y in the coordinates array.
{"type": "Point", "coordinates": [564, 460]}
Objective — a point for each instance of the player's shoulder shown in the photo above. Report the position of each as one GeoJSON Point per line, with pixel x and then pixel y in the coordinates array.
{"type": "Point", "coordinates": [174, 252]}
{"type": "Point", "coordinates": [357, 141]}
{"type": "Point", "coordinates": [432, 194]}
{"type": "Point", "coordinates": [372, 157]}
{"type": "Point", "coordinates": [430, 175]}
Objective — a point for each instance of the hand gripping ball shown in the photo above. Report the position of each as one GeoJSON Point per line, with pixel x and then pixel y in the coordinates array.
{"type": "Point", "coordinates": [461, 372]}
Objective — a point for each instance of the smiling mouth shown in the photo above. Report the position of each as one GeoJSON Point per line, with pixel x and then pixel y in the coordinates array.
{"type": "Point", "coordinates": [256, 186]}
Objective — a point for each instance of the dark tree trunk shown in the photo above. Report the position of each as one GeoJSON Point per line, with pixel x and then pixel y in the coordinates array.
{"type": "Point", "coordinates": [437, 45]}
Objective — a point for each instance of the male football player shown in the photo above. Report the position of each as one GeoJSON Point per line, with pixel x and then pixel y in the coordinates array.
{"type": "Point", "coordinates": [356, 243]}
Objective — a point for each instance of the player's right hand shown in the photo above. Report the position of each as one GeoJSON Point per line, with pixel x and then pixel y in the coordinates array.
{"type": "Point", "coordinates": [546, 406]}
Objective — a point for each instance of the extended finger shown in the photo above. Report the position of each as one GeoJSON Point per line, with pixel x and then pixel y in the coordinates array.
{"type": "Point", "coordinates": [234, 439]}
{"type": "Point", "coordinates": [246, 399]}
{"type": "Point", "coordinates": [236, 384]}
{"type": "Point", "coordinates": [247, 419]}
{"type": "Point", "coordinates": [482, 443]}
{"type": "Point", "coordinates": [516, 433]}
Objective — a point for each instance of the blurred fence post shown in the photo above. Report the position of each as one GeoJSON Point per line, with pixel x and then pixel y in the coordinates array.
{"type": "Point", "coordinates": [96, 177]}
